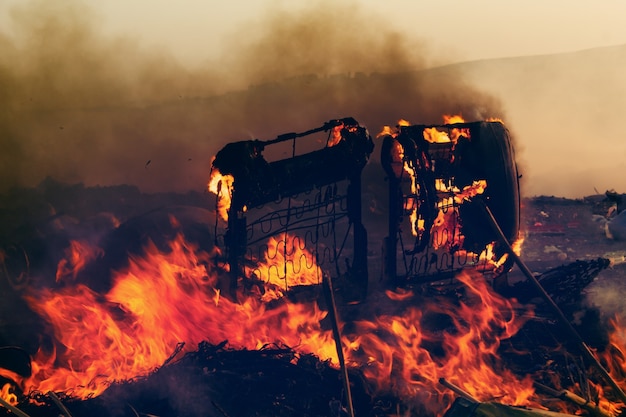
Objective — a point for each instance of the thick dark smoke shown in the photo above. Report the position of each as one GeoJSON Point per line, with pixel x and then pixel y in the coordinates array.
{"type": "Point", "coordinates": [83, 107]}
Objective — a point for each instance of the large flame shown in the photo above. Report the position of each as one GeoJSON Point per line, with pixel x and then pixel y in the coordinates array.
{"type": "Point", "coordinates": [615, 359]}
{"type": "Point", "coordinates": [163, 299]}
{"type": "Point", "coordinates": [396, 348]}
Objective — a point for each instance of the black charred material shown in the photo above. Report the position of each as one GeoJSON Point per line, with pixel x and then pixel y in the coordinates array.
{"type": "Point", "coordinates": [218, 382]}
{"type": "Point", "coordinates": [257, 181]}
{"type": "Point", "coordinates": [15, 359]}
{"type": "Point", "coordinates": [566, 284]}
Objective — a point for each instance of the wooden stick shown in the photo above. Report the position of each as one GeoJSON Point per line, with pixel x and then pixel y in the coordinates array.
{"type": "Point", "coordinates": [457, 390]}
{"type": "Point", "coordinates": [12, 408]}
{"type": "Point", "coordinates": [566, 395]}
{"type": "Point", "coordinates": [555, 308]}
{"type": "Point", "coordinates": [332, 314]}
{"type": "Point", "coordinates": [55, 399]}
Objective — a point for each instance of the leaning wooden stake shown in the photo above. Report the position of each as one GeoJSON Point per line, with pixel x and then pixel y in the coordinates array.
{"type": "Point", "coordinates": [592, 408]}
{"type": "Point", "coordinates": [457, 390]}
{"type": "Point", "coordinates": [555, 308]}
{"type": "Point", "coordinates": [332, 314]}
{"type": "Point", "coordinates": [12, 408]}
{"type": "Point", "coordinates": [55, 399]}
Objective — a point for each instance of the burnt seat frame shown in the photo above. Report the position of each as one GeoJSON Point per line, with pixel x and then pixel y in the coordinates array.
{"type": "Point", "coordinates": [487, 154]}
{"type": "Point", "coordinates": [262, 184]}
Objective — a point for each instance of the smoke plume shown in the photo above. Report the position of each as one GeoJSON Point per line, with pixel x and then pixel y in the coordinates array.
{"type": "Point", "coordinates": [80, 106]}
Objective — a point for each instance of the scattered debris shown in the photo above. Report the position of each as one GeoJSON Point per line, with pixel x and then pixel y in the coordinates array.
{"type": "Point", "coordinates": [615, 228]}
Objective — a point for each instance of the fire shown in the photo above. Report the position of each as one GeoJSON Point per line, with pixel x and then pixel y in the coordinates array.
{"type": "Point", "coordinates": [7, 394]}
{"type": "Point", "coordinates": [395, 348]}
{"type": "Point", "coordinates": [77, 256]}
{"type": "Point", "coordinates": [222, 187]}
{"type": "Point", "coordinates": [452, 119]}
{"type": "Point", "coordinates": [434, 135]}
{"type": "Point", "coordinates": [335, 135]}
{"type": "Point", "coordinates": [615, 359]}
{"type": "Point", "coordinates": [287, 264]}
{"type": "Point", "coordinates": [163, 299]}
{"type": "Point", "coordinates": [446, 229]}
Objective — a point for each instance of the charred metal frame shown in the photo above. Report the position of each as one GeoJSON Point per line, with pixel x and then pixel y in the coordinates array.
{"type": "Point", "coordinates": [304, 194]}
{"type": "Point", "coordinates": [482, 151]}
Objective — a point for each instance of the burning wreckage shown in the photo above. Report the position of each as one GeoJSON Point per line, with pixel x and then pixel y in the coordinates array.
{"type": "Point", "coordinates": [273, 301]}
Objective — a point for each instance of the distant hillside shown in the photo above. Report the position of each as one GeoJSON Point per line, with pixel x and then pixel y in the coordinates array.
{"type": "Point", "coordinates": [566, 111]}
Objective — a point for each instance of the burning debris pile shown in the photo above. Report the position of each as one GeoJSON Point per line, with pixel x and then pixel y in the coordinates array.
{"type": "Point", "coordinates": [269, 304]}
{"type": "Point", "coordinates": [216, 381]}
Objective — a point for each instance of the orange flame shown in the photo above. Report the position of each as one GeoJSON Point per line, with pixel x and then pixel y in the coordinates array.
{"type": "Point", "coordinates": [615, 358]}
{"type": "Point", "coordinates": [388, 131]}
{"type": "Point", "coordinates": [287, 264]}
{"type": "Point", "coordinates": [162, 299]}
{"type": "Point", "coordinates": [222, 187]}
{"type": "Point", "coordinates": [335, 135]}
{"type": "Point", "coordinates": [394, 347]}
{"type": "Point", "coordinates": [433, 135]}
{"type": "Point", "coordinates": [77, 256]}
{"type": "Point", "coordinates": [7, 393]}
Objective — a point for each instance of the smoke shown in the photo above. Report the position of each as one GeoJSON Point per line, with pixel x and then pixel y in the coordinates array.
{"type": "Point", "coordinates": [81, 106]}
{"type": "Point", "coordinates": [607, 293]}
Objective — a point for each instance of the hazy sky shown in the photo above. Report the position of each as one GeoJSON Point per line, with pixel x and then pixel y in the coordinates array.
{"type": "Point", "coordinates": [92, 89]}
{"type": "Point", "coordinates": [194, 30]}
{"type": "Point", "coordinates": [472, 29]}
